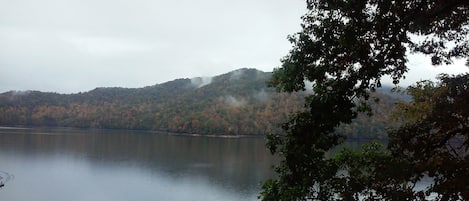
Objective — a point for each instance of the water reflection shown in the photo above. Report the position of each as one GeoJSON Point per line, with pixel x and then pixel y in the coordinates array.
{"type": "Point", "coordinates": [173, 167]}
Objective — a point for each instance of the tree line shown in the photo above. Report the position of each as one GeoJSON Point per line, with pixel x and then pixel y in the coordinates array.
{"type": "Point", "coordinates": [236, 103]}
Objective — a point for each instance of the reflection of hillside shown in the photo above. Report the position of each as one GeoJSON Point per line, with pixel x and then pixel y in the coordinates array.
{"type": "Point", "coordinates": [238, 161]}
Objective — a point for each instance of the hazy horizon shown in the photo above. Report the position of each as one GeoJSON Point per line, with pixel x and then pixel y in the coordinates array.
{"type": "Point", "coordinates": [73, 46]}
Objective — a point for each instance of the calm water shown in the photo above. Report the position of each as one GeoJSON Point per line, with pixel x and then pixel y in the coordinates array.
{"type": "Point", "coordinates": [76, 165]}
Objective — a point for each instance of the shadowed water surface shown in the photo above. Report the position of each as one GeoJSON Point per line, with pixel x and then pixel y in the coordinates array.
{"type": "Point", "coordinates": [71, 164]}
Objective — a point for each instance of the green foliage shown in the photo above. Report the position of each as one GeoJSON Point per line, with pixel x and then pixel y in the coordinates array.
{"type": "Point", "coordinates": [436, 139]}
{"type": "Point", "coordinates": [343, 51]}
{"type": "Point", "coordinates": [427, 157]}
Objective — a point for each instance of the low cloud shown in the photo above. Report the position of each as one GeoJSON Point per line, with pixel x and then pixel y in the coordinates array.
{"type": "Point", "coordinates": [20, 93]}
{"type": "Point", "coordinates": [261, 95]}
{"type": "Point", "coordinates": [198, 82]}
{"type": "Point", "coordinates": [234, 102]}
{"type": "Point", "coordinates": [236, 74]}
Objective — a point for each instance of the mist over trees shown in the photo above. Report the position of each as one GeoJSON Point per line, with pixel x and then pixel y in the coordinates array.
{"type": "Point", "coordinates": [235, 103]}
{"type": "Point", "coordinates": [344, 50]}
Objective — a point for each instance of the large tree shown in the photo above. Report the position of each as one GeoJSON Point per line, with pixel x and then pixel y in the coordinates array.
{"type": "Point", "coordinates": [344, 50]}
{"type": "Point", "coordinates": [434, 139]}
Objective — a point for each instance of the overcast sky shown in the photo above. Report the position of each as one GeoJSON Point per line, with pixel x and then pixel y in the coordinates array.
{"type": "Point", "coordinates": [70, 46]}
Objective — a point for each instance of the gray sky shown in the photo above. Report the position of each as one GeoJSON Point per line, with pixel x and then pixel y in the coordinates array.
{"type": "Point", "coordinates": [71, 46]}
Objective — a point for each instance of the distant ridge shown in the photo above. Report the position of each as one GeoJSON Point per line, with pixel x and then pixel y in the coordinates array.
{"type": "Point", "coordinates": [234, 103]}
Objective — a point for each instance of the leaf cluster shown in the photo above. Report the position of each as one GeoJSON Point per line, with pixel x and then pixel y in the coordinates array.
{"type": "Point", "coordinates": [436, 139]}
{"type": "Point", "coordinates": [344, 50]}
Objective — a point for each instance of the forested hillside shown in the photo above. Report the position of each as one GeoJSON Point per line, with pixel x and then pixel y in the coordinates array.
{"type": "Point", "coordinates": [236, 103]}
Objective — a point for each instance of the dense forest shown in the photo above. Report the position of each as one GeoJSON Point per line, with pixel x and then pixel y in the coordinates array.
{"type": "Point", "coordinates": [235, 103]}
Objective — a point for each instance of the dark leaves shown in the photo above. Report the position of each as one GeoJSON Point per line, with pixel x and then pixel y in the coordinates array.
{"type": "Point", "coordinates": [343, 51]}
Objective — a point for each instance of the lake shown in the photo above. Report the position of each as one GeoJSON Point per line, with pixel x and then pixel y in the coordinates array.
{"type": "Point", "coordinates": [87, 165]}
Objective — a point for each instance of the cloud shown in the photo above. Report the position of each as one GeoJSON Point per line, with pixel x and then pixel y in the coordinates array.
{"type": "Point", "coordinates": [236, 74]}
{"type": "Point", "coordinates": [19, 93]}
{"type": "Point", "coordinates": [234, 102]}
{"type": "Point", "coordinates": [77, 45]}
{"type": "Point", "coordinates": [200, 81]}
{"type": "Point", "coordinates": [106, 46]}
{"type": "Point", "coordinates": [261, 95]}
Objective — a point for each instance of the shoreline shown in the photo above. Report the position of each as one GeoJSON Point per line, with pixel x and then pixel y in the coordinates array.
{"type": "Point", "coordinates": [133, 130]}
{"type": "Point", "coordinates": [159, 132]}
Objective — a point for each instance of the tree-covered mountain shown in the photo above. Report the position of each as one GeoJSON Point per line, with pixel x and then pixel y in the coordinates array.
{"type": "Point", "coordinates": [235, 103]}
